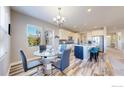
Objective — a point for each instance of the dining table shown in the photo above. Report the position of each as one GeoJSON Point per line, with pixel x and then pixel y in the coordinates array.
{"type": "Point", "coordinates": [47, 57]}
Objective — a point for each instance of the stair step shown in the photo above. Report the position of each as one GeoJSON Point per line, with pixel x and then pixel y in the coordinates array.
{"type": "Point", "coordinates": [16, 67]}
{"type": "Point", "coordinates": [17, 72]}
{"type": "Point", "coordinates": [14, 70]}
{"type": "Point", "coordinates": [16, 64]}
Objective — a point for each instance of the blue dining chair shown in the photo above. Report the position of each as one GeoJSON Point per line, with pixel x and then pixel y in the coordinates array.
{"type": "Point", "coordinates": [64, 62]}
{"type": "Point", "coordinates": [42, 48]}
{"type": "Point", "coordinates": [29, 65]}
{"type": "Point", "coordinates": [63, 47]}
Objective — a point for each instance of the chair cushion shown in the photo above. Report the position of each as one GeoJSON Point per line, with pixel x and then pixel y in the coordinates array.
{"type": "Point", "coordinates": [94, 50]}
{"type": "Point", "coordinates": [33, 64]}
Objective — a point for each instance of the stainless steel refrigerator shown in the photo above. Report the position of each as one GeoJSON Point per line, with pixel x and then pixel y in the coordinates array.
{"type": "Point", "coordinates": [99, 41]}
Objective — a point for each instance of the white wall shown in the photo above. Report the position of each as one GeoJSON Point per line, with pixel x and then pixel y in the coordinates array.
{"type": "Point", "coordinates": [5, 43]}
{"type": "Point", "coordinates": [120, 39]}
{"type": "Point", "coordinates": [19, 39]}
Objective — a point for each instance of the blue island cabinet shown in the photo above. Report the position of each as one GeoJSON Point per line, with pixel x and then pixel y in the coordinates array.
{"type": "Point", "coordinates": [78, 52]}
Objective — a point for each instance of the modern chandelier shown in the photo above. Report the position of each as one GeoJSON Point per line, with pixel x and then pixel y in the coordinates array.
{"type": "Point", "coordinates": [59, 19]}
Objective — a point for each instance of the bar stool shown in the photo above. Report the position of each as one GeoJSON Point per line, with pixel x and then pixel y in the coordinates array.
{"type": "Point", "coordinates": [94, 53]}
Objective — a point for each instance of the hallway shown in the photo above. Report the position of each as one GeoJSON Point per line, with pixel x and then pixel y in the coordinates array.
{"type": "Point", "coordinates": [116, 58]}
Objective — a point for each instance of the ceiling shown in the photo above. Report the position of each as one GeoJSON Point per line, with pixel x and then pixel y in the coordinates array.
{"type": "Point", "coordinates": [77, 17]}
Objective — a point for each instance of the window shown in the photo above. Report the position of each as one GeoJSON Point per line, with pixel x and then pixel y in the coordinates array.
{"type": "Point", "coordinates": [2, 32]}
{"type": "Point", "coordinates": [33, 35]}
{"type": "Point", "coordinates": [1, 53]}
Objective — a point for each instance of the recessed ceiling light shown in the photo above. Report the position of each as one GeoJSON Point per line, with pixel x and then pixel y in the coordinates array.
{"type": "Point", "coordinates": [89, 10]}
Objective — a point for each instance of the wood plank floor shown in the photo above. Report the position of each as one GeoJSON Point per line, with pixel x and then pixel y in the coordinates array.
{"type": "Point", "coordinates": [116, 57]}
{"type": "Point", "coordinates": [76, 68]}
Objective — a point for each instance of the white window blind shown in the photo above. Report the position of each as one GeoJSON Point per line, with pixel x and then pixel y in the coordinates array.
{"type": "Point", "coordinates": [2, 31]}
{"type": "Point", "coordinates": [0, 34]}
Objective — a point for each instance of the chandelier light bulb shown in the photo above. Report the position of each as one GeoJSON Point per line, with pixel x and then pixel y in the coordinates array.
{"type": "Point", "coordinates": [63, 18]}
{"type": "Point", "coordinates": [58, 17]}
{"type": "Point", "coordinates": [54, 19]}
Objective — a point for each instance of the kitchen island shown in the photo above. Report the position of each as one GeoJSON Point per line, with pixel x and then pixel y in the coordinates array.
{"type": "Point", "coordinates": [82, 51]}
